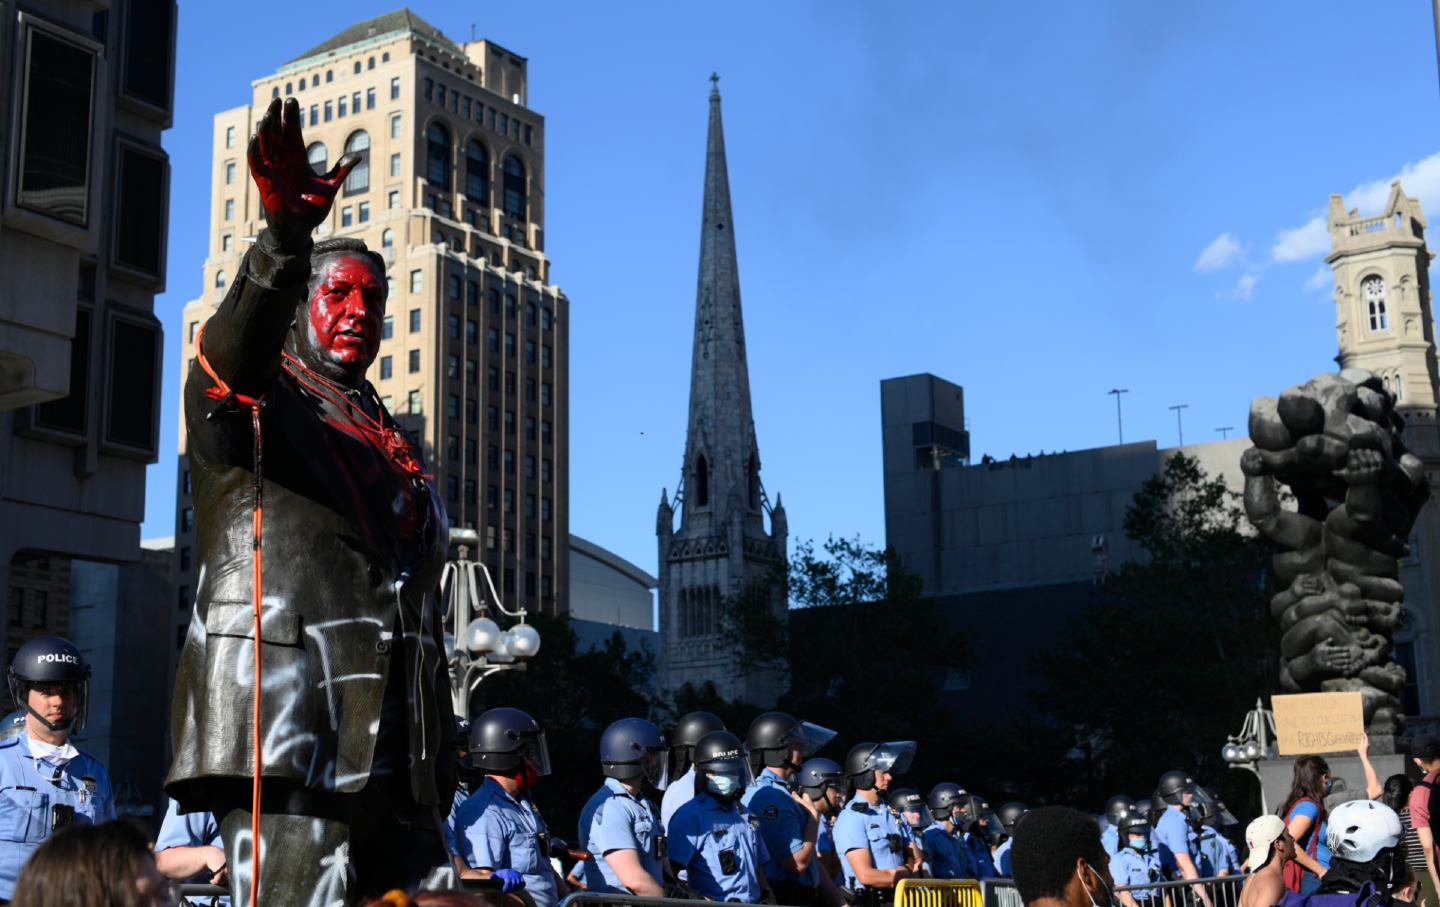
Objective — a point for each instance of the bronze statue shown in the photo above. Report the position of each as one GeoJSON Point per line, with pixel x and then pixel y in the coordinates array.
{"type": "Point", "coordinates": [316, 524]}
{"type": "Point", "coordinates": [1335, 443]}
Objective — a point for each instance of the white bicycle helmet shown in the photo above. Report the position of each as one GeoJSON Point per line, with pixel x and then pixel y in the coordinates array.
{"type": "Point", "coordinates": [1360, 829]}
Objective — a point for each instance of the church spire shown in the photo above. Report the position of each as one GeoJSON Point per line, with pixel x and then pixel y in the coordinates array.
{"type": "Point", "coordinates": [722, 463]}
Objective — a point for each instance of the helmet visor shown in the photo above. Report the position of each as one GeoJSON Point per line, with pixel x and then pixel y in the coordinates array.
{"type": "Point", "coordinates": [810, 738]}
{"type": "Point", "coordinates": [654, 766]}
{"type": "Point", "coordinates": [893, 757]}
{"type": "Point", "coordinates": [535, 753]}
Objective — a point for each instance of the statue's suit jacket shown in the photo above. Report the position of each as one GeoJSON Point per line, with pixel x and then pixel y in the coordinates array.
{"type": "Point", "coordinates": [353, 550]}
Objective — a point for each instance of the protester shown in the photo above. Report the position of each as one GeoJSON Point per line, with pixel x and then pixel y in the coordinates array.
{"type": "Point", "coordinates": [48, 784]}
{"type": "Point", "coordinates": [948, 856]}
{"type": "Point", "coordinates": [874, 844]}
{"type": "Point", "coordinates": [1336, 793]}
{"type": "Point", "coordinates": [1395, 793]}
{"type": "Point", "coordinates": [1364, 838]}
{"type": "Point", "coordinates": [710, 837]}
{"type": "Point", "coordinates": [106, 865]}
{"type": "Point", "coordinates": [1425, 752]}
{"type": "Point", "coordinates": [189, 849]}
{"type": "Point", "coordinates": [1270, 849]}
{"type": "Point", "coordinates": [620, 825]}
{"type": "Point", "coordinates": [498, 831]}
{"type": "Point", "coordinates": [1059, 861]}
{"type": "Point", "coordinates": [790, 824]}
{"type": "Point", "coordinates": [1304, 815]}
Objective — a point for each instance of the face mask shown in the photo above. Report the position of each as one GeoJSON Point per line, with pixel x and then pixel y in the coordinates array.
{"type": "Point", "coordinates": [723, 786]}
{"type": "Point", "coordinates": [1110, 900]}
{"type": "Point", "coordinates": [1140, 844]}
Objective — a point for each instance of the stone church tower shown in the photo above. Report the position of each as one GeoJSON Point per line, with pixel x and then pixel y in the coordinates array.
{"type": "Point", "coordinates": [1383, 324]}
{"type": "Point", "coordinates": [721, 543]}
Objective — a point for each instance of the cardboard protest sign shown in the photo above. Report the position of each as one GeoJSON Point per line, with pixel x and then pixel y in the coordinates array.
{"type": "Point", "coordinates": [1318, 722]}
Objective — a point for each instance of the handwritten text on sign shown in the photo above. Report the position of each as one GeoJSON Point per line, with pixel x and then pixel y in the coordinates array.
{"type": "Point", "coordinates": [1318, 723]}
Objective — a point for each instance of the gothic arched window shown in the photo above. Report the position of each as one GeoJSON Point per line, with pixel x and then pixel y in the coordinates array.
{"type": "Point", "coordinates": [701, 481]}
{"type": "Point", "coordinates": [514, 188]}
{"type": "Point", "coordinates": [1373, 289]}
{"type": "Point", "coordinates": [359, 178]}
{"type": "Point", "coordinates": [437, 157]}
{"type": "Point", "coordinates": [477, 173]}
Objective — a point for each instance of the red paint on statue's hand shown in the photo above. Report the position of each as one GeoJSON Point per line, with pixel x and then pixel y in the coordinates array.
{"type": "Point", "coordinates": [345, 311]}
{"type": "Point", "coordinates": [293, 197]}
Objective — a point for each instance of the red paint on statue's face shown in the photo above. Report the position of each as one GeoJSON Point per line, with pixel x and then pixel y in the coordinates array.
{"type": "Point", "coordinates": [345, 312]}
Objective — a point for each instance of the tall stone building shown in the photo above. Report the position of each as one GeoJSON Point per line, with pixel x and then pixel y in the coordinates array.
{"type": "Point", "coordinates": [721, 543]}
{"type": "Point", "coordinates": [1383, 323]}
{"type": "Point", "coordinates": [474, 357]}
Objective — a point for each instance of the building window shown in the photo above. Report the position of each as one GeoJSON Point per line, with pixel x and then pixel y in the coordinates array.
{"type": "Point", "coordinates": [530, 352]}
{"type": "Point", "coordinates": [452, 286]}
{"type": "Point", "coordinates": [132, 384]}
{"type": "Point", "coordinates": [355, 102]}
{"type": "Point", "coordinates": [492, 378]}
{"type": "Point", "coordinates": [140, 194]}
{"type": "Point", "coordinates": [437, 155]}
{"type": "Point", "coordinates": [477, 173]}
{"type": "Point", "coordinates": [69, 412]}
{"type": "Point", "coordinates": [347, 216]}
{"type": "Point", "coordinates": [1373, 289]}
{"type": "Point", "coordinates": [387, 238]}
{"type": "Point", "coordinates": [545, 322]}
{"type": "Point", "coordinates": [472, 411]}
{"type": "Point", "coordinates": [359, 178]}
{"type": "Point", "coordinates": [227, 242]}
{"type": "Point", "coordinates": [416, 281]}
{"type": "Point", "coordinates": [414, 313]}
{"type": "Point", "coordinates": [544, 472]}
{"type": "Point", "coordinates": [546, 395]}
{"type": "Point", "coordinates": [340, 113]}
{"type": "Point", "coordinates": [472, 373]}
{"type": "Point", "coordinates": [330, 110]}
{"type": "Point", "coordinates": [362, 212]}
{"type": "Point", "coordinates": [414, 403]}
{"type": "Point", "coordinates": [387, 367]}
{"type": "Point", "coordinates": [229, 209]}
{"type": "Point", "coordinates": [221, 280]}
{"type": "Point", "coordinates": [471, 456]}
{"type": "Point", "coordinates": [509, 499]}
{"type": "Point", "coordinates": [452, 324]}
{"type": "Point", "coordinates": [472, 332]}
{"type": "Point", "coordinates": [529, 466]}
{"type": "Point", "coordinates": [392, 200]}
{"type": "Point", "coordinates": [452, 366]}
{"type": "Point", "coordinates": [452, 406]}
{"type": "Point", "coordinates": [229, 136]}
{"type": "Point", "coordinates": [395, 126]}
{"type": "Point", "coordinates": [440, 95]}
{"type": "Point", "coordinates": [229, 173]}
{"type": "Point", "coordinates": [530, 389]}
{"type": "Point", "coordinates": [509, 344]}
{"type": "Point", "coordinates": [545, 431]}
{"type": "Point", "coordinates": [492, 340]}
{"type": "Point", "coordinates": [452, 489]}
{"type": "Point", "coordinates": [395, 164]}
{"type": "Point", "coordinates": [492, 457]}
{"type": "Point", "coordinates": [369, 99]}
{"type": "Point", "coordinates": [492, 298]}
{"type": "Point", "coordinates": [509, 456]}
{"type": "Point", "coordinates": [492, 418]}
{"type": "Point", "coordinates": [545, 509]}
{"type": "Point", "coordinates": [357, 67]}
{"type": "Point", "coordinates": [395, 89]}
{"type": "Point", "coordinates": [509, 305]}
{"type": "Point", "coordinates": [472, 293]}
{"type": "Point", "coordinates": [314, 114]}
{"type": "Point", "coordinates": [510, 422]}
{"type": "Point", "coordinates": [546, 359]}
{"type": "Point", "coordinates": [329, 75]}
{"type": "Point", "coordinates": [319, 157]}
{"type": "Point", "coordinates": [514, 187]}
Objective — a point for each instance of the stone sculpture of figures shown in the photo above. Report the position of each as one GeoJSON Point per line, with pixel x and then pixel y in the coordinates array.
{"type": "Point", "coordinates": [1335, 443]}
{"type": "Point", "coordinates": [306, 488]}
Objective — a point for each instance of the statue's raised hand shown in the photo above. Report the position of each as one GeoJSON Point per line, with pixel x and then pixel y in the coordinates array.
{"type": "Point", "coordinates": [293, 197]}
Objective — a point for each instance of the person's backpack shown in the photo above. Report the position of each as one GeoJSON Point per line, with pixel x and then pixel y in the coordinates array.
{"type": "Point", "coordinates": [1367, 896]}
{"type": "Point", "coordinates": [1294, 872]}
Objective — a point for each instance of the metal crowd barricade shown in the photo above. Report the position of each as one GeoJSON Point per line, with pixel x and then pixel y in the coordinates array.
{"type": "Point", "coordinates": [592, 899]}
{"type": "Point", "coordinates": [1224, 891]}
{"type": "Point", "coordinates": [196, 893]}
{"type": "Point", "coordinates": [938, 893]}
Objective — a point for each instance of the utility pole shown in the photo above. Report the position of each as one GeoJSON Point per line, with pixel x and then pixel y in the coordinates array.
{"type": "Point", "coordinates": [1225, 430]}
{"type": "Point", "coordinates": [1179, 425]}
{"type": "Point", "coordinates": [1117, 391]}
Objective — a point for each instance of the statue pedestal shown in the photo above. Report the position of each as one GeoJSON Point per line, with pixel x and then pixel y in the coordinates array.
{"type": "Point", "coordinates": [1276, 775]}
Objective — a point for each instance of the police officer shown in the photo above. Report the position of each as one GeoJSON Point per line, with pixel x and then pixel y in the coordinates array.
{"type": "Point", "coordinates": [977, 829]}
{"type": "Point", "coordinates": [909, 807]}
{"type": "Point", "coordinates": [1217, 855]}
{"type": "Point", "coordinates": [1115, 809]}
{"type": "Point", "coordinates": [620, 824]}
{"type": "Point", "coordinates": [189, 849]}
{"type": "Point", "coordinates": [1178, 845]}
{"type": "Point", "coordinates": [710, 837]}
{"type": "Point", "coordinates": [790, 824]}
{"type": "Point", "coordinates": [946, 853]}
{"type": "Point", "coordinates": [1007, 815]}
{"type": "Point", "coordinates": [498, 832]}
{"type": "Point", "coordinates": [874, 845]}
{"type": "Point", "coordinates": [45, 782]}
{"type": "Point", "coordinates": [819, 782]}
{"type": "Point", "coordinates": [681, 773]}
{"type": "Point", "coordinates": [1136, 862]}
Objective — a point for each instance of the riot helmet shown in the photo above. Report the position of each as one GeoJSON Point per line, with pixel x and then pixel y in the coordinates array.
{"type": "Point", "coordinates": [1211, 811]}
{"type": "Point", "coordinates": [53, 665]}
{"type": "Point", "coordinates": [633, 748]}
{"type": "Point", "coordinates": [688, 731]}
{"type": "Point", "coordinates": [817, 776]}
{"type": "Point", "coordinates": [910, 807]}
{"type": "Point", "coordinates": [506, 741]}
{"type": "Point", "coordinates": [976, 817]}
{"type": "Point", "coordinates": [1133, 823]}
{"type": "Point", "coordinates": [721, 767]}
{"type": "Point", "coordinates": [944, 799]}
{"type": "Point", "coordinates": [12, 725]}
{"type": "Point", "coordinates": [1116, 807]}
{"type": "Point", "coordinates": [1009, 814]}
{"type": "Point", "coordinates": [774, 734]}
{"type": "Point", "coordinates": [865, 759]}
{"type": "Point", "coordinates": [1173, 786]}
{"type": "Point", "coordinates": [1146, 808]}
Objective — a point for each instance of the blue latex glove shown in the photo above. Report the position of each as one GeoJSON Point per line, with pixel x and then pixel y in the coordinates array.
{"type": "Point", "coordinates": [510, 880]}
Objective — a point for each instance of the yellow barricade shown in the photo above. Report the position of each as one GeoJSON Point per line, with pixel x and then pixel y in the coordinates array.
{"type": "Point", "coordinates": [938, 893]}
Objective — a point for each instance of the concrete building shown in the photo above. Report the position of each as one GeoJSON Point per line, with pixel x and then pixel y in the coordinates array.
{"type": "Point", "coordinates": [86, 92]}
{"type": "Point", "coordinates": [722, 542]}
{"type": "Point", "coordinates": [474, 360]}
{"type": "Point", "coordinates": [1383, 323]}
{"type": "Point", "coordinates": [610, 594]}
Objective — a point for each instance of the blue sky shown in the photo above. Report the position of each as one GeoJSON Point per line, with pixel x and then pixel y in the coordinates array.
{"type": "Point", "coordinates": [1038, 201]}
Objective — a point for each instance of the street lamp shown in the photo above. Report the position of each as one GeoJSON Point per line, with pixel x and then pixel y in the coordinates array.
{"type": "Point", "coordinates": [475, 645]}
{"type": "Point", "coordinates": [1253, 743]}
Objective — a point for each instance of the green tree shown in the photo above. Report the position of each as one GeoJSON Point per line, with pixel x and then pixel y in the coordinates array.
{"type": "Point", "coordinates": [1161, 672]}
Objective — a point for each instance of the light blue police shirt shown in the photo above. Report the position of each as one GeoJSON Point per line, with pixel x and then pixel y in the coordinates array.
{"type": "Point", "coordinates": [1130, 867]}
{"type": "Point", "coordinates": [1173, 835]}
{"type": "Point", "coordinates": [782, 825]}
{"type": "Point", "coordinates": [699, 835]}
{"type": "Point", "coordinates": [1110, 839]}
{"type": "Point", "coordinates": [1217, 854]}
{"type": "Point", "coordinates": [948, 857]}
{"type": "Point", "coordinates": [861, 825]}
{"type": "Point", "coordinates": [197, 829]}
{"type": "Point", "coordinates": [615, 819]}
{"type": "Point", "coordinates": [30, 790]}
{"type": "Point", "coordinates": [494, 830]}
{"type": "Point", "coordinates": [1001, 858]}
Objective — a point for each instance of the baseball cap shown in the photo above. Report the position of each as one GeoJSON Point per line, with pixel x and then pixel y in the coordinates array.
{"type": "Point", "coordinates": [1425, 746]}
{"type": "Point", "coordinates": [1259, 835]}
